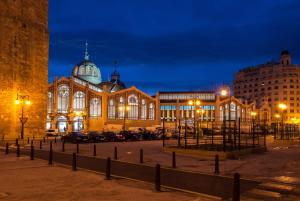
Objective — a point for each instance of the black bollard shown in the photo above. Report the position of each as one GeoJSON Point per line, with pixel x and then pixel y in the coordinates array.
{"type": "Point", "coordinates": [217, 167]}
{"type": "Point", "coordinates": [157, 177]}
{"type": "Point", "coordinates": [28, 140]}
{"type": "Point", "coordinates": [77, 148]}
{"type": "Point", "coordinates": [95, 151]}
{"type": "Point", "coordinates": [6, 148]}
{"type": "Point", "coordinates": [55, 140]}
{"type": "Point", "coordinates": [50, 154]}
{"type": "Point", "coordinates": [74, 162]}
{"type": "Point", "coordinates": [44, 139]}
{"type": "Point", "coordinates": [236, 187]}
{"type": "Point", "coordinates": [63, 146]}
{"type": "Point", "coordinates": [41, 144]}
{"type": "Point", "coordinates": [17, 141]}
{"type": "Point", "coordinates": [108, 168]}
{"type": "Point", "coordinates": [116, 153]}
{"type": "Point", "coordinates": [141, 156]}
{"type": "Point", "coordinates": [18, 150]}
{"type": "Point", "coordinates": [173, 159]}
{"type": "Point", "coordinates": [31, 152]}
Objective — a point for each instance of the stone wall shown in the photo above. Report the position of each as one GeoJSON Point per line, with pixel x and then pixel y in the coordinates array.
{"type": "Point", "coordinates": [23, 65]}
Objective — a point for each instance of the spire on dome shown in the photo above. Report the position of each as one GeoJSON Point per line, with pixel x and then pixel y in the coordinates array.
{"type": "Point", "coordinates": [86, 55]}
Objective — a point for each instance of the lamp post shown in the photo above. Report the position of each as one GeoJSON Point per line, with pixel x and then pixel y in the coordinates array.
{"type": "Point", "coordinates": [124, 109]}
{"type": "Point", "coordinates": [22, 100]}
{"type": "Point", "coordinates": [194, 103]}
{"type": "Point", "coordinates": [277, 116]}
{"type": "Point", "coordinates": [225, 92]}
{"type": "Point", "coordinates": [282, 107]}
{"type": "Point", "coordinates": [253, 115]}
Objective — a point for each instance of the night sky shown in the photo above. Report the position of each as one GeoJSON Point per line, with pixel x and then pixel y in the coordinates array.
{"type": "Point", "coordinates": [172, 44]}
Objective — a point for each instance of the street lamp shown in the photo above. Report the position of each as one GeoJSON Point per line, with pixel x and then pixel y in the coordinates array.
{"type": "Point", "coordinates": [282, 107]}
{"type": "Point", "coordinates": [194, 103]}
{"type": "Point", "coordinates": [124, 109]}
{"type": "Point", "coordinates": [277, 116]}
{"type": "Point", "coordinates": [22, 100]}
{"type": "Point", "coordinates": [225, 92]}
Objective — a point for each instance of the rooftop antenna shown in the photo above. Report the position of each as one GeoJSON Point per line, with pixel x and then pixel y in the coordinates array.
{"type": "Point", "coordinates": [86, 54]}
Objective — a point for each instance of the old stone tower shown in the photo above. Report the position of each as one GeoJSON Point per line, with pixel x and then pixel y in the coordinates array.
{"type": "Point", "coordinates": [23, 65]}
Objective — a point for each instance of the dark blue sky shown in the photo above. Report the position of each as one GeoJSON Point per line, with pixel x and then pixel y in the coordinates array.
{"type": "Point", "coordinates": [172, 44]}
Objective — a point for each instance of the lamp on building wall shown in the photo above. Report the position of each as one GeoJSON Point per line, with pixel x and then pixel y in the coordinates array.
{"type": "Point", "coordinates": [23, 101]}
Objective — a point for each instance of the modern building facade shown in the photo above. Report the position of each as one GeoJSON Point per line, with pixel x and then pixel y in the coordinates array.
{"type": "Point", "coordinates": [271, 84]}
{"type": "Point", "coordinates": [83, 102]}
{"type": "Point", "coordinates": [204, 107]}
{"type": "Point", "coordinates": [24, 45]}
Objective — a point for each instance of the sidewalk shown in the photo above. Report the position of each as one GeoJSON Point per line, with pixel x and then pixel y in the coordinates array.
{"type": "Point", "coordinates": [22, 179]}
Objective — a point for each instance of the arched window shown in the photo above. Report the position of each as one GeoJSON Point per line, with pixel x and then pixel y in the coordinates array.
{"type": "Point", "coordinates": [62, 124]}
{"type": "Point", "coordinates": [143, 110]}
{"type": "Point", "coordinates": [111, 109]}
{"type": "Point", "coordinates": [221, 113]}
{"type": "Point", "coordinates": [133, 107]}
{"type": "Point", "coordinates": [79, 101]}
{"type": "Point", "coordinates": [95, 107]}
{"type": "Point", "coordinates": [50, 102]}
{"type": "Point", "coordinates": [151, 111]}
{"type": "Point", "coordinates": [232, 111]}
{"type": "Point", "coordinates": [121, 109]}
{"type": "Point", "coordinates": [78, 123]}
{"type": "Point", "coordinates": [63, 99]}
{"type": "Point", "coordinates": [48, 123]}
{"type": "Point", "coordinates": [226, 116]}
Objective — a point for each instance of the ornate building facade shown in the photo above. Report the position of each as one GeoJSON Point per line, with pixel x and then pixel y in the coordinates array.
{"type": "Point", "coordinates": [83, 102]}
{"type": "Point", "coordinates": [271, 84]}
{"type": "Point", "coordinates": [24, 45]}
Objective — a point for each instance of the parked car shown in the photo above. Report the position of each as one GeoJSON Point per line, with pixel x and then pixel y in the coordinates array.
{"type": "Point", "coordinates": [130, 135]}
{"type": "Point", "coordinates": [52, 133]}
{"type": "Point", "coordinates": [95, 136]}
{"type": "Point", "coordinates": [146, 134]}
{"type": "Point", "coordinates": [75, 137]}
{"type": "Point", "coordinates": [109, 136]}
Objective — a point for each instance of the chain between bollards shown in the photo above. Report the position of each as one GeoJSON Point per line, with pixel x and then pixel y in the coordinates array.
{"type": "Point", "coordinates": [108, 169]}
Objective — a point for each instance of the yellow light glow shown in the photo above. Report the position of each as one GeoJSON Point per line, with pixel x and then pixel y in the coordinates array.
{"type": "Point", "coordinates": [191, 102]}
{"type": "Point", "coordinates": [224, 92]}
{"type": "Point", "coordinates": [28, 102]}
{"type": "Point", "coordinates": [282, 106]}
{"type": "Point", "coordinates": [121, 108]}
{"type": "Point", "coordinates": [77, 113]}
{"type": "Point", "coordinates": [198, 102]}
{"type": "Point", "coordinates": [202, 111]}
{"type": "Point", "coordinates": [127, 108]}
{"type": "Point", "coordinates": [198, 111]}
{"type": "Point", "coordinates": [17, 102]}
{"type": "Point", "coordinates": [253, 113]}
{"type": "Point", "coordinates": [277, 115]}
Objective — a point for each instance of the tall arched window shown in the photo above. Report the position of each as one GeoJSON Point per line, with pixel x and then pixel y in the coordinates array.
{"type": "Point", "coordinates": [121, 109]}
{"type": "Point", "coordinates": [79, 101]}
{"type": "Point", "coordinates": [221, 113]}
{"type": "Point", "coordinates": [133, 107]}
{"type": "Point", "coordinates": [143, 110]}
{"type": "Point", "coordinates": [63, 99]}
{"type": "Point", "coordinates": [111, 109]}
{"type": "Point", "coordinates": [151, 111]}
{"type": "Point", "coordinates": [95, 107]}
{"type": "Point", "coordinates": [232, 111]}
{"type": "Point", "coordinates": [226, 116]}
{"type": "Point", "coordinates": [50, 102]}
